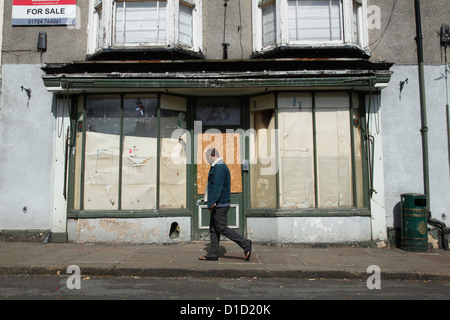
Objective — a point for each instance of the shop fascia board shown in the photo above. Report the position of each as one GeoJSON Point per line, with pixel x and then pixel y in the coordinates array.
{"type": "Point", "coordinates": [76, 83]}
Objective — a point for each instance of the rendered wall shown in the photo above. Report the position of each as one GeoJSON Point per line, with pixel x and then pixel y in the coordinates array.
{"type": "Point", "coordinates": [64, 43]}
{"type": "Point", "coordinates": [309, 229]}
{"type": "Point", "coordinates": [402, 140]}
{"type": "Point", "coordinates": [394, 38]}
{"type": "Point", "coordinates": [238, 31]}
{"type": "Point", "coordinates": [27, 127]}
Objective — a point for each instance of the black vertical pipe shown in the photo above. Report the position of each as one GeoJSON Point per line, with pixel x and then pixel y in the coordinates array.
{"type": "Point", "coordinates": [423, 106]}
{"type": "Point", "coordinates": [225, 45]}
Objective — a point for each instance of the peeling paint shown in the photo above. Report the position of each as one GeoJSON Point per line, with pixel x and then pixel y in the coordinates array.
{"type": "Point", "coordinates": [117, 230]}
{"type": "Point", "coordinates": [317, 224]}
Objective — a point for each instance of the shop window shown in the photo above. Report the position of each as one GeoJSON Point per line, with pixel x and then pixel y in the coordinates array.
{"type": "Point", "coordinates": [139, 156]}
{"type": "Point", "coordinates": [312, 158]}
{"type": "Point", "coordinates": [118, 169]}
{"type": "Point", "coordinates": [102, 149]}
{"type": "Point", "coordinates": [218, 112]}
{"type": "Point", "coordinates": [334, 154]}
{"type": "Point", "coordinates": [296, 145]}
{"type": "Point", "coordinates": [263, 161]}
{"type": "Point", "coordinates": [174, 153]}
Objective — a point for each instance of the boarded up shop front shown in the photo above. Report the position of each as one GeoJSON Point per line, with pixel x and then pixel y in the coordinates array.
{"type": "Point", "coordinates": [294, 142]}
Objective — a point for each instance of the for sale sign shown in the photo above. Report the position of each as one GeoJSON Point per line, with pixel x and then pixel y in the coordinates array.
{"type": "Point", "coordinates": [44, 12]}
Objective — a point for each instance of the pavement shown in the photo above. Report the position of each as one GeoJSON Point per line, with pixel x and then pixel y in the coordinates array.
{"type": "Point", "coordinates": [181, 260]}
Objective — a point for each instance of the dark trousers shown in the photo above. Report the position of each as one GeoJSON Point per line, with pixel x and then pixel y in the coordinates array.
{"type": "Point", "coordinates": [218, 226]}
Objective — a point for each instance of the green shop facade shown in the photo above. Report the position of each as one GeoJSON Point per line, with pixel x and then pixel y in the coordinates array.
{"type": "Point", "coordinates": [294, 133]}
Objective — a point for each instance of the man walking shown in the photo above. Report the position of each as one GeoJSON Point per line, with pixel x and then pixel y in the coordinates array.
{"type": "Point", "coordinates": [217, 196]}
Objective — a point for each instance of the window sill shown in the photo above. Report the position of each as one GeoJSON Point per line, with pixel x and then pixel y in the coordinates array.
{"type": "Point", "coordinates": [126, 214]}
{"type": "Point", "coordinates": [313, 51]}
{"type": "Point", "coordinates": [308, 212]}
{"type": "Point", "coordinates": [143, 53]}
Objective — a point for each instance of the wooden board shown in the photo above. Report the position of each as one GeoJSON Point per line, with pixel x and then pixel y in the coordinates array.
{"type": "Point", "coordinates": [229, 147]}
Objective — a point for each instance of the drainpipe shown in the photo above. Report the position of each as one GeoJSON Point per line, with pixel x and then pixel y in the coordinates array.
{"type": "Point", "coordinates": [446, 75]}
{"type": "Point", "coordinates": [423, 106]}
{"type": "Point", "coordinates": [448, 133]}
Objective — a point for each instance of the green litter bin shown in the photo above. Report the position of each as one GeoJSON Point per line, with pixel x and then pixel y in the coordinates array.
{"type": "Point", "coordinates": [414, 222]}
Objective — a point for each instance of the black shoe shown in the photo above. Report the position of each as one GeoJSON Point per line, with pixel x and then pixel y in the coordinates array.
{"type": "Point", "coordinates": [248, 252]}
{"type": "Point", "coordinates": [206, 258]}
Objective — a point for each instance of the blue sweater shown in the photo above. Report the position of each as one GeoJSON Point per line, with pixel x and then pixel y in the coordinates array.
{"type": "Point", "coordinates": [219, 185]}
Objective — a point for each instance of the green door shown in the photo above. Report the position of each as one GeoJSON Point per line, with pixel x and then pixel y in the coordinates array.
{"type": "Point", "coordinates": [219, 121]}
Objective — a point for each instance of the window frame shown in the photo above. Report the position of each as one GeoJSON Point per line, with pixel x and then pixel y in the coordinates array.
{"type": "Point", "coordinates": [124, 22]}
{"type": "Point", "coordinates": [282, 26]}
{"type": "Point", "coordinates": [101, 28]}
{"type": "Point", "coordinates": [77, 161]}
{"type": "Point", "coordinates": [360, 22]}
{"type": "Point", "coordinates": [190, 5]}
{"type": "Point", "coordinates": [360, 203]}
{"type": "Point", "coordinates": [305, 41]}
{"type": "Point", "coordinates": [265, 5]}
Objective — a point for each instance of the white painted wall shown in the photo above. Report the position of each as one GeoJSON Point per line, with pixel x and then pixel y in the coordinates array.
{"type": "Point", "coordinates": [309, 229]}
{"type": "Point", "coordinates": [26, 149]}
{"type": "Point", "coordinates": [402, 140]}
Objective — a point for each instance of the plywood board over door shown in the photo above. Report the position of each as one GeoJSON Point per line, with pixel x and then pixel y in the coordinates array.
{"type": "Point", "coordinates": [229, 147]}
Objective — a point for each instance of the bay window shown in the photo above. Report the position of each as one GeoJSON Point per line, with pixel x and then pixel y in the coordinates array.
{"type": "Point", "coordinates": [145, 23]}
{"type": "Point", "coordinates": [308, 22]}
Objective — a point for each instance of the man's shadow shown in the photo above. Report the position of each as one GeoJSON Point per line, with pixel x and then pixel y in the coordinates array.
{"type": "Point", "coordinates": [223, 251]}
{"type": "Point", "coordinates": [397, 215]}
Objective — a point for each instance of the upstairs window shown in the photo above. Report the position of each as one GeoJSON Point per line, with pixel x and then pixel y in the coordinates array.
{"type": "Point", "coordinates": [308, 22]}
{"type": "Point", "coordinates": [357, 21]}
{"type": "Point", "coordinates": [145, 23]}
{"type": "Point", "coordinates": [269, 23]}
{"type": "Point", "coordinates": [315, 21]}
{"type": "Point", "coordinates": [140, 22]}
{"type": "Point", "coordinates": [97, 23]}
{"type": "Point", "coordinates": [185, 23]}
